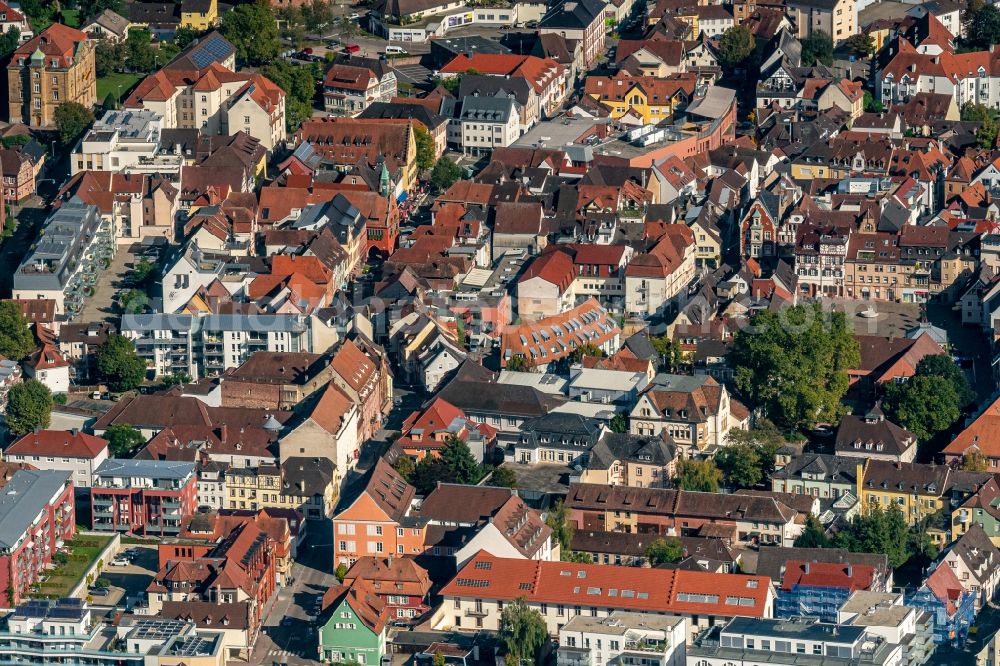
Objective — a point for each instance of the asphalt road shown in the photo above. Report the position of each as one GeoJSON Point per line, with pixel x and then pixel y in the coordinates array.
{"type": "Point", "coordinates": [289, 633]}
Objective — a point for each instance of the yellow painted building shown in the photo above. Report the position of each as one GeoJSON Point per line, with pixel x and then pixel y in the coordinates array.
{"type": "Point", "coordinates": [200, 15]}
{"type": "Point", "coordinates": [646, 99]}
{"type": "Point", "coordinates": [310, 492]}
{"type": "Point", "coordinates": [914, 488]}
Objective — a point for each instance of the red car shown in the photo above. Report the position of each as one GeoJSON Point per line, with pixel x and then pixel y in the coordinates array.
{"type": "Point", "coordinates": [352, 48]}
{"type": "Point", "coordinates": [307, 51]}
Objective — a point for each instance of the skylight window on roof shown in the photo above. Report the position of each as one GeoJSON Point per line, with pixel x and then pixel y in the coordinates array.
{"type": "Point", "coordinates": [643, 595]}
{"type": "Point", "coordinates": [472, 582]}
{"type": "Point", "coordinates": [581, 574]}
{"type": "Point", "coordinates": [613, 592]}
{"type": "Point", "coordinates": [752, 584]}
{"type": "Point", "coordinates": [628, 594]}
{"type": "Point", "coordinates": [594, 590]}
{"type": "Point", "coordinates": [524, 586]}
{"type": "Point", "coordinates": [484, 565]}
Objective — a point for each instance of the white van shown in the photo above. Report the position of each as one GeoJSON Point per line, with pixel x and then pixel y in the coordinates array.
{"type": "Point", "coordinates": [394, 50]}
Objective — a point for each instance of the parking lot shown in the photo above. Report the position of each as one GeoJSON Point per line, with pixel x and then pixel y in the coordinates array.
{"type": "Point", "coordinates": [129, 583]}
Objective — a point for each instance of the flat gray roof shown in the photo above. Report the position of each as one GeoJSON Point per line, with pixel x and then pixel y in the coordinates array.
{"type": "Point", "coordinates": [154, 469]}
{"type": "Point", "coordinates": [23, 498]}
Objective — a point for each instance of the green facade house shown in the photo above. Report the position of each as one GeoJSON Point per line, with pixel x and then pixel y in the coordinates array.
{"type": "Point", "coordinates": [352, 626]}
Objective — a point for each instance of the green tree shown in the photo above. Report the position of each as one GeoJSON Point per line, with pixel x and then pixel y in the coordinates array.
{"type": "Point", "coordinates": [404, 466]}
{"type": "Point", "coordinates": [430, 471]}
{"type": "Point", "coordinates": [766, 440]}
{"type": "Point", "coordinates": [110, 102]}
{"type": "Point", "coordinates": [817, 47]}
{"type": "Point", "coordinates": [813, 535]}
{"type": "Point", "coordinates": [740, 465]}
{"type": "Point", "coordinates": [184, 36]}
{"type": "Point", "coordinates": [877, 531]}
{"type": "Point", "coordinates": [444, 173]}
{"type": "Point", "coordinates": [449, 83]}
{"type": "Point", "coordinates": [253, 31]}
{"type": "Point", "coordinates": [984, 27]}
{"type": "Point", "coordinates": [29, 406]}
{"type": "Point", "coordinates": [317, 15]}
{"type": "Point", "coordinates": [665, 551]}
{"type": "Point", "coordinates": [698, 475]}
{"type": "Point", "coordinates": [139, 53]}
{"type": "Point", "coordinates": [792, 364]}
{"type": "Point", "coordinates": [299, 84]}
{"type": "Point", "coordinates": [348, 28]}
{"type": "Point", "coordinates": [177, 378]}
{"type": "Point", "coordinates": [72, 120]}
{"type": "Point", "coordinates": [589, 349]}
{"type": "Point", "coordinates": [119, 364]}
{"type": "Point", "coordinates": [503, 477]}
{"type": "Point", "coordinates": [619, 423]}
{"type": "Point", "coordinates": [522, 633]}
{"type": "Point", "coordinates": [942, 365]}
{"type": "Point", "coordinates": [133, 301]}
{"type": "Point", "coordinates": [926, 405]}
{"type": "Point", "coordinates": [562, 529]}
{"type": "Point", "coordinates": [735, 46]}
{"type": "Point", "coordinates": [9, 41]}
{"type": "Point", "coordinates": [88, 8]}
{"type": "Point", "coordinates": [123, 439]}
{"type": "Point", "coordinates": [973, 460]}
{"type": "Point", "coordinates": [517, 363]}
{"type": "Point", "coordinates": [16, 340]}
{"type": "Point", "coordinates": [860, 45]}
{"type": "Point", "coordinates": [457, 456]}
{"type": "Point", "coordinates": [871, 104]}
{"type": "Point", "coordinates": [108, 58]}
{"type": "Point", "coordinates": [669, 352]}
{"type": "Point", "coordinates": [340, 572]}
{"type": "Point", "coordinates": [986, 135]}
{"type": "Point", "coordinates": [425, 148]}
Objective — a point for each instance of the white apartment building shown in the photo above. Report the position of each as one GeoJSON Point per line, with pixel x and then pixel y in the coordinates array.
{"type": "Point", "coordinates": [485, 123]}
{"type": "Point", "coordinates": [61, 450]}
{"type": "Point", "coordinates": [623, 639]}
{"type": "Point", "coordinates": [125, 141]}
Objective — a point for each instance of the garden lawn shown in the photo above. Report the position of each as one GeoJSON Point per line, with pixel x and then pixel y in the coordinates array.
{"type": "Point", "coordinates": [109, 84]}
{"type": "Point", "coordinates": [71, 17]}
{"type": "Point", "coordinates": [84, 550]}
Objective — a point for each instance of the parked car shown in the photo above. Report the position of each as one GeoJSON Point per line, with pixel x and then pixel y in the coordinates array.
{"type": "Point", "coordinates": [354, 17]}
{"type": "Point", "coordinates": [99, 592]}
{"type": "Point", "coordinates": [307, 51]}
{"type": "Point", "coordinates": [120, 562]}
{"type": "Point", "coordinates": [352, 48]}
{"type": "Point", "coordinates": [395, 50]}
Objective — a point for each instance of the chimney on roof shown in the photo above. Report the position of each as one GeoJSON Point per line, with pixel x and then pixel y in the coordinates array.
{"type": "Point", "coordinates": [850, 571]}
{"type": "Point", "coordinates": [805, 567]}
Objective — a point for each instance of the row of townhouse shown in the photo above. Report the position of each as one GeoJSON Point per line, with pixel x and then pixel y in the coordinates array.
{"type": "Point", "coordinates": [454, 522]}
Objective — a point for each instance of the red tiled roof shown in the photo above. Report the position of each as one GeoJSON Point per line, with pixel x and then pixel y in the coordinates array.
{"type": "Point", "coordinates": [983, 433]}
{"type": "Point", "coordinates": [57, 41]}
{"type": "Point", "coordinates": [58, 443]}
{"type": "Point", "coordinates": [828, 574]}
{"type": "Point", "coordinates": [627, 588]}
{"type": "Point", "coordinates": [556, 337]}
{"type": "Point", "coordinates": [553, 267]}
{"type": "Point", "coordinates": [539, 72]}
